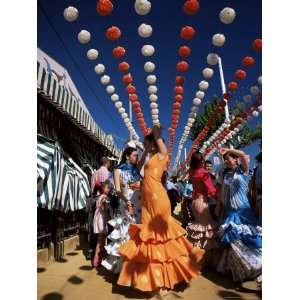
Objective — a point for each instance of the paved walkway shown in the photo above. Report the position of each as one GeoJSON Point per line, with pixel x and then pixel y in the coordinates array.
{"type": "Point", "coordinates": [74, 279]}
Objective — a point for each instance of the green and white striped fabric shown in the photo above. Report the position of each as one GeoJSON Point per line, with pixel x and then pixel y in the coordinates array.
{"type": "Point", "coordinates": [57, 94]}
{"type": "Point", "coordinates": [62, 185]}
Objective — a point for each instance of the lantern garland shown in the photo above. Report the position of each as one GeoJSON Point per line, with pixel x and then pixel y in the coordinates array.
{"type": "Point", "coordinates": [84, 36]}
{"type": "Point", "coordinates": [124, 67]}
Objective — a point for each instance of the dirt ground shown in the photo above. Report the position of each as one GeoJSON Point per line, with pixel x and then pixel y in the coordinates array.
{"type": "Point", "coordinates": [74, 279]}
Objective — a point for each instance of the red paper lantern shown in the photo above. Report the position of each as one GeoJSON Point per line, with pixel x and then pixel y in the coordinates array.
{"type": "Point", "coordinates": [182, 66]}
{"type": "Point", "coordinates": [127, 78]}
{"type": "Point", "coordinates": [176, 112]}
{"type": "Point", "coordinates": [140, 115]}
{"type": "Point", "coordinates": [257, 45]}
{"type": "Point", "coordinates": [240, 74]}
{"type": "Point", "coordinates": [124, 66]}
{"type": "Point", "coordinates": [178, 89]}
{"type": "Point", "coordinates": [184, 51]}
{"type": "Point", "coordinates": [104, 7]}
{"type": "Point", "coordinates": [232, 85]}
{"type": "Point", "coordinates": [133, 97]}
{"type": "Point", "coordinates": [136, 104]}
{"type": "Point", "coordinates": [113, 33]}
{"type": "Point", "coordinates": [176, 105]}
{"type": "Point", "coordinates": [138, 109]}
{"type": "Point", "coordinates": [179, 98]}
{"type": "Point", "coordinates": [179, 80]}
{"type": "Point", "coordinates": [131, 89]}
{"type": "Point", "coordinates": [191, 7]}
{"type": "Point", "coordinates": [248, 61]}
{"type": "Point", "coordinates": [187, 32]}
{"type": "Point", "coordinates": [118, 52]}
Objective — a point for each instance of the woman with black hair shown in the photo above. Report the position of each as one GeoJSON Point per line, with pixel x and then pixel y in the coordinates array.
{"type": "Point", "coordinates": [158, 255]}
{"type": "Point", "coordinates": [239, 233]}
{"type": "Point", "coordinates": [127, 181]}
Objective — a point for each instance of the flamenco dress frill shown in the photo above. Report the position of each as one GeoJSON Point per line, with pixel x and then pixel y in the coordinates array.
{"type": "Point", "coordinates": [158, 255]}
{"type": "Point", "coordinates": [122, 219]}
{"type": "Point", "coordinates": [202, 231]}
{"type": "Point", "coordinates": [240, 233]}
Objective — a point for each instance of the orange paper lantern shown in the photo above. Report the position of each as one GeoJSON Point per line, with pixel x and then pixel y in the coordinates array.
{"type": "Point", "coordinates": [184, 51]}
{"type": "Point", "coordinates": [124, 66]}
{"type": "Point", "coordinates": [104, 7]}
{"type": "Point", "coordinates": [187, 32]}
{"type": "Point", "coordinates": [113, 33]}
{"type": "Point", "coordinates": [118, 52]}
{"type": "Point", "coordinates": [191, 7]}
{"type": "Point", "coordinates": [182, 66]}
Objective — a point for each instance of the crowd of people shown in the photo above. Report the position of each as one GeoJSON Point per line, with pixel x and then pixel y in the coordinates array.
{"type": "Point", "coordinates": [156, 231]}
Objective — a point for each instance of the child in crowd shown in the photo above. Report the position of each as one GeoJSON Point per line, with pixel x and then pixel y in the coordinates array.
{"type": "Point", "coordinates": [102, 215]}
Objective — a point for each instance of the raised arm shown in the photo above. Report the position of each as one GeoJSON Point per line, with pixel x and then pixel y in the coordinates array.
{"type": "Point", "coordinates": [242, 155]}
{"type": "Point", "coordinates": [142, 160]}
{"type": "Point", "coordinates": [162, 149]}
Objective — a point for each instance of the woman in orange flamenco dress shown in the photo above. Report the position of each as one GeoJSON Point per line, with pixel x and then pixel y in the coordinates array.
{"type": "Point", "coordinates": [158, 255]}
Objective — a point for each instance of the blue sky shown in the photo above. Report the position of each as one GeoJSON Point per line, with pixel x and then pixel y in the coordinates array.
{"type": "Point", "coordinates": [166, 18]}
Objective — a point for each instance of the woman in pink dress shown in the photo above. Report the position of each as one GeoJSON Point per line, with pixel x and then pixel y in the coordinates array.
{"type": "Point", "coordinates": [100, 221]}
{"type": "Point", "coordinates": [202, 231]}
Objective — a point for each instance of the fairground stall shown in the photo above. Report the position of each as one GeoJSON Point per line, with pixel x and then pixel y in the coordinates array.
{"type": "Point", "coordinates": [69, 147]}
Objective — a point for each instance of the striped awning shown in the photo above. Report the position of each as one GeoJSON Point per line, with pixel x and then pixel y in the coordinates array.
{"type": "Point", "coordinates": [61, 183]}
{"type": "Point", "coordinates": [56, 93]}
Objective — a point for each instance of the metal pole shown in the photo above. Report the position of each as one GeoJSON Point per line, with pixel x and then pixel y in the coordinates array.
{"type": "Point", "coordinates": [184, 153]}
{"type": "Point", "coordinates": [223, 86]}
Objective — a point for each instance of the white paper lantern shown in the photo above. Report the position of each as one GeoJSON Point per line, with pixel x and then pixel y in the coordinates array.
{"type": "Point", "coordinates": [127, 121]}
{"type": "Point", "coordinates": [154, 105]}
{"type": "Point", "coordinates": [92, 54]}
{"type": "Point", "coordinates": [191, 120]}
{"type": "Point", "coordinates": [189, 124]}
{"type": "Point", "coordinates": [114, 97]}
{"type": "Point", "coordinates": [121, 110]}
{"type": "Point", "coordinates": [154, 111]}
{"type": "Point", "coordinates": [247, 98]}
{"type": "Point", "coordinates": [148, 50]}
{"type": "Point", "coordinates": [105, 79]}
{"type": "Point", "coordinates": [227, 15]}
{"type": "Point", "coordinates": [118, 104]}
{"type": "Point", "coordinates": [154, 117]}
{"type": "Point", "coordinates": [153, 98]}
{"type": "Point", "coordinates": [192, 115]}
{"type": "Point", "coordinates": [145, 30]}
{"type": "Point", "coordinates": [149, 67]}
{"type": "Point", "coordinates": [200, 94]}
{"type": "Point", "coordinates": [236, 130]}
{"type": "Point", "coordinates": [254, 90]}
{"type": "Point", "coordinates": [195, 109]}
{"type": "Point", "coordinates": [204, 147]}
{"type": "Point", "coordinates": [71, 13]}
{"type": "Point", "coordinates": [155, 122]}
{"type": "Point", "coordinates": [124, 115]}
{"type": "Point", "coordinates": [207, 73]}
{"type": "Point", "coordinates": [142, 7]}
{"type": "Point", "coordinates": [259, 80]}
{"type": "Point", "coordinates": [227, 121]}
{"type": "Point", "coordinates": [197, 101]}
{"type": "Point", "coordinates": [260, 108]}
{"type": "Point", "coordinates": [203, 85]}
{"type": "Point", "coordinates": [110, 89]}
{"type": "Point", "coordinates": [84, 36]}
{"type": "Point", "coordinates": [99, 69]}
{"type": "Point", "coordinates": [218, 39]}
{"type": "Point", "coordinates": [152, 89]}
{"type": "Point", "coordinates": [255, 113]}
{"type": "Point", "coordinates": [212, 59]}
{"type": "Point", "coordinates": [151, 79]}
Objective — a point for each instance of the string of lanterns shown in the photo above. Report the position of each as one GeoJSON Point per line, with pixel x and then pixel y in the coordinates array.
{"type": "Point", "coordinates": [84, 37]}
{"type": "Point", "coordinates": [113, 34]}
{"type": "Point", "coordinates": [187, 33]}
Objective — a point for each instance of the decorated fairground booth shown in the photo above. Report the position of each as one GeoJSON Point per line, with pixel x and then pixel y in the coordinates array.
{"type": "Point", "coordinates": [70, 145]}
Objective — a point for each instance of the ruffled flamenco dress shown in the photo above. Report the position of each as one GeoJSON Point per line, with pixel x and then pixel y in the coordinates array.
{"type": "Point", "coordinates": [202, 231]}
{"type": "Point", "coordinates": [240, 232]}
{"type": "Point", "coordinates": [158, 255]}
{"type": "Point", "coordinates": [122, 219]}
